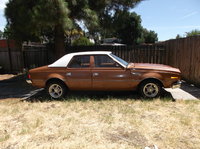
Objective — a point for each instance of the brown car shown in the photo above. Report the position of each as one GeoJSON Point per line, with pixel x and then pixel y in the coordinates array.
{"type": "Point", "coordinates": [101, 70]}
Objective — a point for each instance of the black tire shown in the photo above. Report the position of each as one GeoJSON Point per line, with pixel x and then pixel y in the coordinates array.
{"type": "Point", "coordinates": [150, 89]}
{"type": "Point", "coordinates": [56, 89]}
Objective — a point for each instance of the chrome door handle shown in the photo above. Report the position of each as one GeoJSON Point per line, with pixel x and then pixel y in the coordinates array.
{"type": "Point", "coordinates": [68, 74]}
{"type": "Point", "coordinates": [95, 74]}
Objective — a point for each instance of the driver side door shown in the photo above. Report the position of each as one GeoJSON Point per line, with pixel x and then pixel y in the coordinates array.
{"type": "Point", "coordinates": [78, 73]}
{"type": "Point", "coordinates": [107, 74]}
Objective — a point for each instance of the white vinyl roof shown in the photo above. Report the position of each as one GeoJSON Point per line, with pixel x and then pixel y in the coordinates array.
{"type": "Point", "coordinates": [63, 61]}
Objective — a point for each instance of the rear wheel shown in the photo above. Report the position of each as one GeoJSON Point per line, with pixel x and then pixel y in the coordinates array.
{"type": "Point", "coordinates": [150, 89]}
{"type": "Point", "coordinates": [56, 89]}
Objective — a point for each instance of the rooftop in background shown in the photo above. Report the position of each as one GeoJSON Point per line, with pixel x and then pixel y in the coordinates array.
{"type": "Point", "coordinates": [112, 42]}
{"type": "Point", "coordinates": [4, 43]}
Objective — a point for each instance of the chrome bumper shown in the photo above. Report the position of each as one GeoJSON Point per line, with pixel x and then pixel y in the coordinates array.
{"type": "Point", "coordinates": [176, 84]}
{"type": "Point", "coordinates": [28, 81]}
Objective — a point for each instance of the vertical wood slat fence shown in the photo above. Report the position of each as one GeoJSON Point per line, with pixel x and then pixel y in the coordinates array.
{"type": "Point", "coordinates": [143, 53]}
{"type": "Point", "coordinates": [184, 54]}
{"type": "Point", "coordinates": [17, 62]}
{"type": "Point", "coordinates": [35, 56]}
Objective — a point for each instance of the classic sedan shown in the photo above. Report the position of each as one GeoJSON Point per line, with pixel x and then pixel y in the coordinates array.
{"type": "Point", "coordinates": [103, 71]}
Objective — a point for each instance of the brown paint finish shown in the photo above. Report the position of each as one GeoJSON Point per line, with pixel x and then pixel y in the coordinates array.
{"type": "Point", "coordinates": [79, 79]}
{"type": "Point", "coordinates": [40, 76]}
{"type": "Point", "coordinates": [111, 79]}
{"type": "Point", "coordinates": [105, 78]}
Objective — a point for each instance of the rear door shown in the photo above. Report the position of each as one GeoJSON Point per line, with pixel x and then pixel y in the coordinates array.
{"type": "Point", "coordinates": [78, 73]}
{"type": "Point", "coordinates": [109, 75]}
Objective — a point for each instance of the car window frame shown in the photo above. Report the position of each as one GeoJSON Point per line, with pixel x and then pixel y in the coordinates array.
{"type": "Point", "coordinates": [93, 65]}
{"type": "Point", "coordinates": [90, 64]}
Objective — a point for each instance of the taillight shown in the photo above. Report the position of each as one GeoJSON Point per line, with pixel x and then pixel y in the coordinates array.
{"type": "Point", "coordinates": [29, 76]}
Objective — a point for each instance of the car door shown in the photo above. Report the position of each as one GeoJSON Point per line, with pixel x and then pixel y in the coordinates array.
{"type": "Point", "coordinates": [109, 75]}
{"type": "Point", "coordinates": [78, 73]}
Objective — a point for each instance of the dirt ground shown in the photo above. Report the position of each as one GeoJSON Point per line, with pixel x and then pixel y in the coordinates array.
{"type": "Point", "coordinates": [14, 86]}
{"type": "Point", "coordinates": [97, 120]}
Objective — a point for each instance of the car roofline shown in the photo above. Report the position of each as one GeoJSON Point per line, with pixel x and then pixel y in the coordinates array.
{"type": "Point", "coordinates": [63, 61]}
{"type": "Point", "coordinates": [90, 52]}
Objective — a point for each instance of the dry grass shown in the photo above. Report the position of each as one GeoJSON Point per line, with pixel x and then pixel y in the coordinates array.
{"type": "Point", "coordinates": [104, 124]}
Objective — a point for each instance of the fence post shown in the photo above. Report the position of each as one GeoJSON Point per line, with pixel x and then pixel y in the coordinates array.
{"type": "Point", "coordinates": [22, 57]}
{"type": "Point", "coordinates": [9, 54]}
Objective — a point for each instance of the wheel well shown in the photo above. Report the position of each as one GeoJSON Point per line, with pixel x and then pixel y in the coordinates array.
{"type": "Point", "coordinates": [55, 80]}
{"type": "Point", "coordinates": [151, 79]}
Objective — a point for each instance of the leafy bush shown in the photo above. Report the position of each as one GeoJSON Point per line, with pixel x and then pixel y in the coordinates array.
{"type": "Point", "coordinates": [82, 41]}
{"type": "Point", "coordinates": [195, 32]}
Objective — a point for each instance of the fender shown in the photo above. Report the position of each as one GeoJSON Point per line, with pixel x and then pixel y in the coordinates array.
{"type": "Point", "coordinates": [152, 75]}
{"type": "Point", "coordinates": [56, 76]}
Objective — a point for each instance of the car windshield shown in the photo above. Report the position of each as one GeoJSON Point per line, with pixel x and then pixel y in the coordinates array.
{"type": "Point", "coordinates": [120, 60]}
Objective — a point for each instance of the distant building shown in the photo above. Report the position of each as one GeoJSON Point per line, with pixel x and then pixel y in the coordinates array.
{"type": "Point", "coordinates": [112, 41]}
{"type": "Point", "coordinates": [4, 44]}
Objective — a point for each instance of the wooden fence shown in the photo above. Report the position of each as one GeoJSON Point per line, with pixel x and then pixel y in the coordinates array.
{"type": "Point", "coordinates": [184, 54]}
{"type": "Point", "coordinates": [14, 61]}
{"type": "Point", "coordinates": [11, 61]}
{"type": "Point", "coordinates": [143, 53]}
{"type": "Point", "coordinates": [35, 56]}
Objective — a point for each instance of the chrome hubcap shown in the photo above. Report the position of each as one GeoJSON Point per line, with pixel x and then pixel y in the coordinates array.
{"type": "Point", "coordinates": [150, 90]}
{"type": "Point", "coordinates": [55, 91]}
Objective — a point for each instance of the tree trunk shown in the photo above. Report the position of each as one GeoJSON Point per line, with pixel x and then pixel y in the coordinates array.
{"type": "Point", "coordinates": [59, 41]}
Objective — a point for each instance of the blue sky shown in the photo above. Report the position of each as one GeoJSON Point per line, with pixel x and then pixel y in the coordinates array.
{"type": "Point", "coordinates": [166, 17]}
{"type": "Point", "coordinates": [169, 17]}
{"type": "Point", "coordinates": [2, 19]}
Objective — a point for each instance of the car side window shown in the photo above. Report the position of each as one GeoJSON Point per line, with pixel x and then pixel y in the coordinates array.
{"type": "Point", "coordinates": [104, 61]}
{"type": "Point", "coordinates": [82, 61]}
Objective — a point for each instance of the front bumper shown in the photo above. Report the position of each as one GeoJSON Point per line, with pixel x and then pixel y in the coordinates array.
{"type": "Point", "coordinates": [176, 85]}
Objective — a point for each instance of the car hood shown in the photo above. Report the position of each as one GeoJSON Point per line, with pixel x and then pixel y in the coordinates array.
{"type": "Point", "coordinates": [148, 66]}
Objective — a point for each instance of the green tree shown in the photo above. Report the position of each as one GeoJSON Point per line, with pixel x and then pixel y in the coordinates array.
{"type": "Point", "coordinates": [178, 36]}
{"type": "Point", "coordinates": [195, 32]}
{"type": "Point", "coordinates": [149, 36]}
{"type": "Point", "coordinates": [28, 20]}
{"type": "Point", "coordinates": [127, 26]}
{"type": "Point", "coordinates": [102, 13]}
{"type": "Point", "coordinates": [37, 19]}
{"type": "Point", "coordinates": [122, 24]}
{"type": "Point", "coordinates": [1, 34]}
{"type": "Point", "coordinates": [82, 41]}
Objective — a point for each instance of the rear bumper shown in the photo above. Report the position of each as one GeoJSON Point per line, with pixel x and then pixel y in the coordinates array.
{"type": "Point", "coordinates": [176, 84]}
{"type": "Point", "coordinates": [28, 81]}
{"type": "Point", "coordinates": [36, 83]}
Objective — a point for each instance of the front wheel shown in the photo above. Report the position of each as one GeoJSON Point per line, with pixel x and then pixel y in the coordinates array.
{"type": "Point", "coordinates": [56, 89]}
{"type": "Point", "coordinates": [150, 89]}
